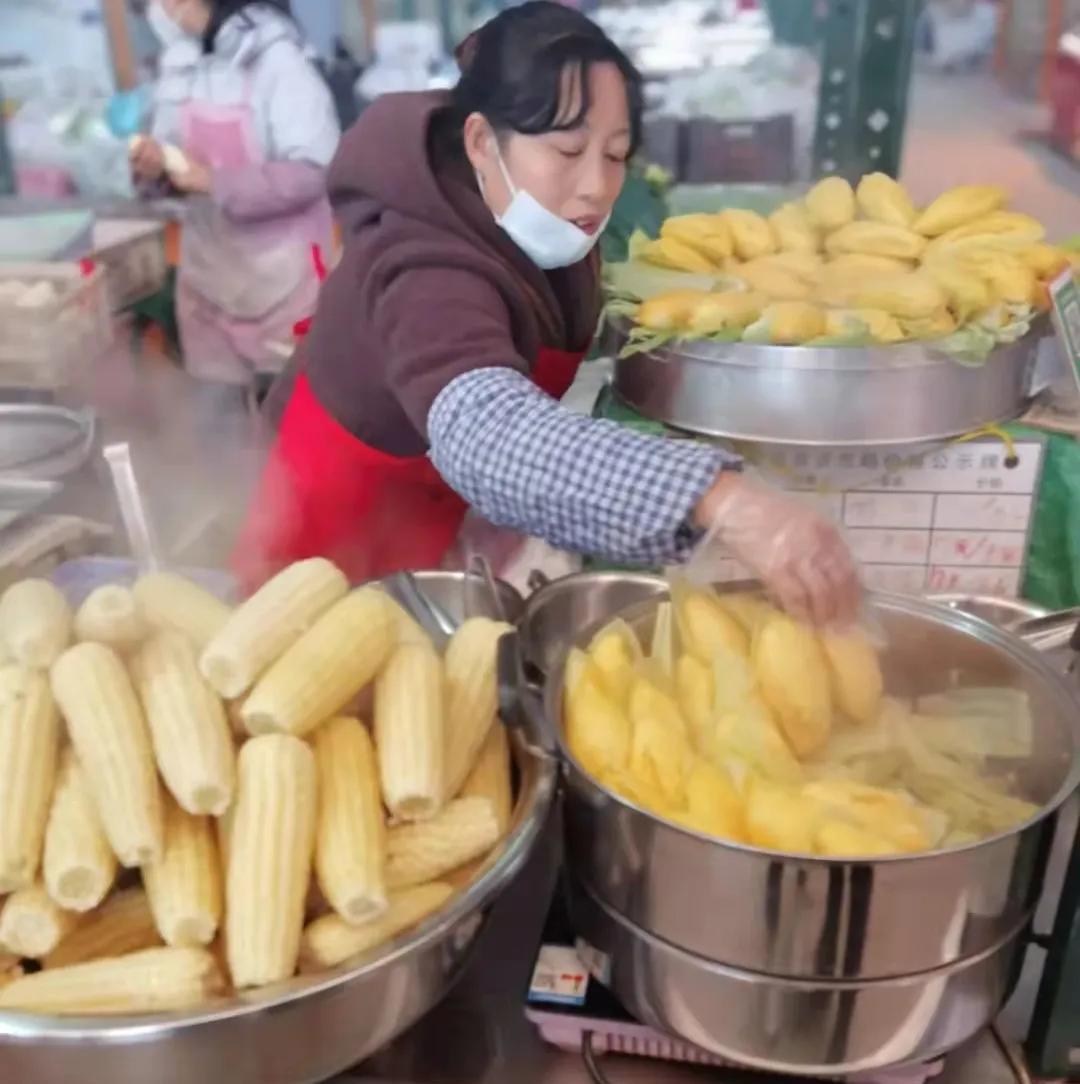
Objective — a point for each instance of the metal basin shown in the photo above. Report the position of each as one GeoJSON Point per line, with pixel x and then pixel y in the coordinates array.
{"type": "Point", "coordinates": [307, 1029]}
{"type": "Point", "coordinates": [1006, 613]}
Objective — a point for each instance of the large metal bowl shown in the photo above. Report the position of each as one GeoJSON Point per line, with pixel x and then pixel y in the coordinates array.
{"type": "Point", "coordinates": [307, 1029]}
{"type": "Point", "coordinates": [809, 918]}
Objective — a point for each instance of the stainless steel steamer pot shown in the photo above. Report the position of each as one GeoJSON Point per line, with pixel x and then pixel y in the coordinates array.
{"type": "Point", "coordinates": [307, 1029]}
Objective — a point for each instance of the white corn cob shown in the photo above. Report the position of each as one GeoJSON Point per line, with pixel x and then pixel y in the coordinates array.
{"type": "Point", "coordinates": [35, 623]}
{"type": "Point", "coordinates": [490, 777]}
{"type": "Point", "coordinates": [325, 668]}
{"type": "Point", "coordinates": [32, 925]}
{"type": "Point", "coordinates": [409, 731]}
{"type": "Point", "coordinates": [112, 741]}
{"type": "Point", "coordinates": [273, 840]}
{"type": "Point", "coordinates": [329, 940]}
{"type": "Point", "coordinates": [78, 865]}
{"type": "Point", "coordinates": [462, 831]}
{"type": "Point", "coordinates": [168, 601]}
{"type": "Point", "coordinates": [223, 827]}
{"type": "Point", "coordinates": [262, 628]}
{"type": "Point", "coordinates": [188, 725]}
{"type": "Point", "coordinates": [123, 924]}
{"type": "Point", "coordinates": [29, 745]}
{"type": "Point", "coordinates": [110, 615]}
{"type": "Point", "coordinates": [151, 981]}
{"type": "Point", "coordinates": [185, 887]}
{"type": "Point", "coordinates": [472, 694]}
{"type": "Point", "coordinates": [350, 844]}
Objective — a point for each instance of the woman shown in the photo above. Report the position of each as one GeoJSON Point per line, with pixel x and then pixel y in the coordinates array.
{"type": "Point", "coordinates": [466, 296]}
{"type": "Point", "coordinates": [257, 129]}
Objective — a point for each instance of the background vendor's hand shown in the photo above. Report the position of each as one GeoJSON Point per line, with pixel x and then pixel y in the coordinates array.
{"type": "Point", "coordinates": [147, 159]}
{"type": "Point", "coordinates": [797, 552]}
{"type": "Point", "coordinates": [196, 178]}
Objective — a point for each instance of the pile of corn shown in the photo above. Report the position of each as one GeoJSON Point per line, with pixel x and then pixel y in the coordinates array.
{"type": "Point", "coordinates": [218, 755]}
{"type": "Point", "coordinates": [851, 265]}
{"type": "Point", "coordinates": [741, 724]}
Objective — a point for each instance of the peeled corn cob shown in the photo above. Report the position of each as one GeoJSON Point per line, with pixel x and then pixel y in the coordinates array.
{"type": "Point", "coordinates": [882, 199]}
{"type": "Point", "coordinates": [879, 325]}
{"type": "Point", "coordinates": [787, 323]}
{"type": "Point", "coordinates": [329, 941]}
{"type": "Point", "coordinates": [855, 675]}
{"type": "Point", "coordinates": [31, 924]}
{"type": "Point", "coordinates": [29, 745]}
{"type": "Point", "coordinates": [123, 924]}
{"type": "Point", "coordinates": [725, 312]}
{"type": "Point", "coordinates": [967, 292]}
{"type": "Point", "coordinates": [793, 230]}
{"type": "Point", "coordinates": [350, 841]}
{"type": "Point", "coordinates": [273, 841]}
{"type": "Point", "coordinates": [774, 283]}
{"type": "Point", "coordinates": [830, 204]}
{"type": "Point", "coordinates": [957, 206]}
{"type": "Point", "coordinates": [35, 623]}
{"type": "Point", "coordinates": [472, 696]}
{"type": "Point", "coordinates": [911, 297]}
{"type": "Point", "coordinates": [677, 255]}
{"type": "Point", "coordinates": [669, 311]}
{"type": "Point", "coordinates": [112, 741]}
{"type": "Point", "coordinates": [1010, 280]}
{"type": "Point", "coordinates": [78, 865]}
{"type": "Point", "coordinates": [803, 265]}
{"type": "Point", "coordinates": [1009, 228]}
{"type": "Point", "coordinates": [168, 601]}
{"type": "Point", "coordinates": [597, 730]}
{"type": "Point", "coordinates": [708, 234]}
{"type": "Point", "coordinates": [876, 239]}
{"type": "Point", "coordinates": [859, 265]}
{"type": "Point", "coordinates": [490, 777]}
{"type": "Point", "coordinates": [154, 980]}
{"type": "Point", "coordinates": [261, 630]}
{"type": "Point", "coordinates": [935, 326]}
{"type": "Point", "coordinates": [110, 615]}
{"type": "Point", "coordinates": [324, 669]}
{"type": "Point", "coordinates": [751, 235]}
{"type": "Point", "coordinates": [184, 888]}
{"type": "Point", "coordinates": [1045, 260]}
{"type": "Point", "coordinates": [416, 853]}
{"type": "Point", "coordinates": [188, 725]}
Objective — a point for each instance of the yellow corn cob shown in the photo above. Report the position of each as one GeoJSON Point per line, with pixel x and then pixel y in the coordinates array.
{"type": "Point", "coordinates": [168, 601]}
{"type": "Point", "coordinates": [151, 981]}
{"type": "Point", "coordinates": [706, 627]}
{"type": "Point", "coordinates": [1009, 228]}
{"type": "Point", "coordinates": [695, 690]}
{"type": "Point", "coordinates": [779, 819]}
{"type": "Point", "coordinates": [350, 842]}
{"type": "Point", "coordinates": [729, 311]}
{"type": "Point", "coordinates": [793, 230]}
{"type": "Point", "coordinates": [410, 731]}
{"type": "Point", "coordinates": [713, 806]}
{"type": "Point", "coordinates": [330, 663]}
{"type": "Point", "coordinates": [110, 736]}
{"type": "Point", "coordinates": [188, 726]}
{"type": "Point", "coordinates": [1010, 280]}
{"type": "Point", "coordinates": [746, 607]}
{"type": "Point", "coordinates": [660, 751]}
{"type": "Point", "coordinates": [32, 925]}
{"type": "Point", "coordinates": [875, 239]}
{"type": "Point", "coordinates": [751, 235]}
{"type": "Point", "coordinates": [78, 865]}
{"type": "Point", "coordinates": [1045, 260]}
{"type": "Point", "coordinates": [472, 695]}
{"type": "Point", "coordinates": [935, 326]}
{"type": "Point", "coordinates": [597, 730]}
{"type": "Point", "coordinates": [669, 311]}
{"type": "Point", "coordinates": [110, 615]}
{"type": "Point", "coordinates": [774, 283]}
{"type": "Point", "coordinates": [794, 679]}
{"type": "Point", "coordinates": [29, 744]}
{"type": "Point", "coordinates": [967, 292]}
{"type": "Point", "coordinates": [830, 204]}
{"type": "Point", "coordinates": [787, 323]}
{"type": "Point", "coordinates": [855, 675]}
{"type": "Point", "coordinates": [184, 888]}
{"type": "Point", "coordinates": [35, 623]}
{"type": "Point", "coordinates": [677, 255]}
{"type": "Point", "coordinates": [882, 199]}
{"type": "Point", "coordinates": [264, 627]}
{"type": "Point", "coordinates": [708, 234]}
{"type": "Point", "coordinates": [911, 297]}
{"type": "Point", "coordinates": [838, 839]}
{"type": "Point", "coordinates": [123, 924]}
{"type": "Point", "coordinates": [958, 206]}
{"type": "Point", "coordinates": [803, 265]}
{"type": "Point", "coordinates": [329, 941]}
{"type": "Point", "coordinates": [879, 325]}
{"type": "Point", "coordinates": [273, 841]}
{"type": "Point", "coordinates": [860, 265]}
{"type": "Point", "coordinates": [463, 830]}
{"type": "Point", "coordinates": [490, 777]}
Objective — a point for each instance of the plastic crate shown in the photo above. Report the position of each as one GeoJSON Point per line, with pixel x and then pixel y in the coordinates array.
{"type": "Point", "coordinates": [132, 252]}
{"type": "Point", "coordinates": [40, 346]}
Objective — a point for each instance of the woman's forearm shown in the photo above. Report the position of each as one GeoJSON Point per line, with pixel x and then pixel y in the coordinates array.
{"type": "Point", "coordinates": [526, 463]}
{"type": "Point", "coordinates": [254, 193]}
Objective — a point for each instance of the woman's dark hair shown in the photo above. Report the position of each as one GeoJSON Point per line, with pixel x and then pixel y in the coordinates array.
{"type": "Point", "coordinates": [223, 10]}
{"type": "Point", "coordinates": [515, 69]}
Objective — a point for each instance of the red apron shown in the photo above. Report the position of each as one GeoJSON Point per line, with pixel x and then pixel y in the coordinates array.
{"type": "Point", "coordinates": [325, 493]}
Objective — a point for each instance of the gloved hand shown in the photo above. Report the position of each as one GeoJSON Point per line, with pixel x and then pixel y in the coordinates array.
{"type": "Point", "coordinates": [798, 554]}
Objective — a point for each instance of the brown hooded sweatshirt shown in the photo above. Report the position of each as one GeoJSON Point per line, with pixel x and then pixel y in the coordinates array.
{"type": "Point", "coordinates": [428, 287]}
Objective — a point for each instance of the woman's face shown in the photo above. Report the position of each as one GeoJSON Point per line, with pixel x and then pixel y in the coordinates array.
{"type": "Point", "coordinates": [192, 16]}
{"type": "Point", "coordinates": [575, 174]}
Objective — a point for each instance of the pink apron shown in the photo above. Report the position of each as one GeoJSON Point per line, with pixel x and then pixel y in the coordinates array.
{"type": "Point", "coordinates": [243, 285]}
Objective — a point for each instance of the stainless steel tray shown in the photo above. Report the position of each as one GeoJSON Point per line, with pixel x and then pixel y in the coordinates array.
{"type": "Point", "coordinates": [904, 394]}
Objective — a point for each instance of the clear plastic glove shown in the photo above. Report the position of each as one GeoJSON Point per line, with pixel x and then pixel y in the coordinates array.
{"type": "Point", "coordinates": [798, 554]}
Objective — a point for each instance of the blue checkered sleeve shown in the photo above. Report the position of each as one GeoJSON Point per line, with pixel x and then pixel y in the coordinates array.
{"type": "Point", "coordinates": [527, 463]}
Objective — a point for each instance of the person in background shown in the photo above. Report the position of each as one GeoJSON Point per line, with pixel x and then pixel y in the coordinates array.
{"type": "Point", "coordinates": [467, 294]}
{"type": "Point", "coordinates": [256, 128]}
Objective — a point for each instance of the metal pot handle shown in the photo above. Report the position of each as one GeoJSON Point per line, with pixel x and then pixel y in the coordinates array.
{"type": "Point", "coordinates": [1052, 631]}
{"type": "Point", "coordinates": [521, 702]}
